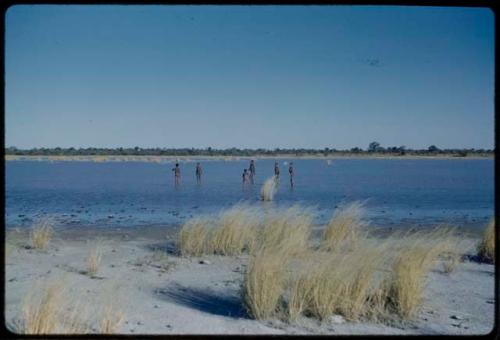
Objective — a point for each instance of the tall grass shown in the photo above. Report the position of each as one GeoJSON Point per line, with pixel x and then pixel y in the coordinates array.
{"type": "Point", "coordinates": [193, 237]}
{"type": "Point", "coordinates": [234, 232]}
{"type": "Point", "coordinates": [50, 309]}
{"type": "Point", "coordinates": [269, 189]}
{"type": "Point", "coordinates": [41, 233]}
{"type": "Point", "coordinates": [346, 226]}
{"type": "Point", "coordinates": [411, 264]}
{"type": "Point", "coordinates": [299, 298]}
{"type": "Point", "coordinates": [40, 313]}
{"type": "Point", "coordinates": [377, 280]}
{"type": "Point", "coordinates": [285, 232]}
{"type": "Point", "coordinates": [263, 283]}
{"type": "Point", "coordinates": [336, 283]}
{"type": "Point", "coordinates": [486, 249]}
{"type": "Point", "coordinates": [240, 229]}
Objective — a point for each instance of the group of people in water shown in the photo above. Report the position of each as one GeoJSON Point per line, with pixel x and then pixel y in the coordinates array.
{"type": "Point", "coordinates": [247, 176]}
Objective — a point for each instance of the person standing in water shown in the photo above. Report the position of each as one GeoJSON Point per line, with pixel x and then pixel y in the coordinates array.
{"type": "Point", "coordinates": [276, 170]}
{"type": "Point", "coordinates": [252, 170]}
{"type": "Point", "coordinates": [199, 171]}
{"type": "Point", "coordinates": [177, 173]}
{"type": "Point", "coordinates": [290, 171]}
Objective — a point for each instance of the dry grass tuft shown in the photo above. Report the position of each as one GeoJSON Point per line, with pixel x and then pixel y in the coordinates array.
{"type": "Point", "coordinates": [41, 233]}
{"type": "Point", "coordinates": [299, 298]}
{"type": "Point", "coordinates": [264, 283]}
{"type": "Point", "coordinates": [411, 264]}
{"type": "Point", "coordinates": [194, 236]}
{"type": "Point", "coordinates": [337, 283]}
{"type": "Point", "coordinates": [40, 313]}
{"type": "Point", "coordinates": [378, 280]}
{"type": "Point", "coordinates": [285, 232]}
{"type": "Point", "coordinates": [269, 189]}
{"type": "Point", "coordinates": [235, 231]}
{"type": "Point", "coordinates": [345, 226]}
{"type": "Point", "coordinates": [486, 249]}
{"type": "Point", "coordinates": [94, 260]}
{"type": "Point", "coordinates": [51, 309]}
{"type": "Point", "coordinates": [111, 320]}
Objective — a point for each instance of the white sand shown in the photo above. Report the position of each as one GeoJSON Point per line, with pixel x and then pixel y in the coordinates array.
{"type": "Point", "coordinates": [194, 298]}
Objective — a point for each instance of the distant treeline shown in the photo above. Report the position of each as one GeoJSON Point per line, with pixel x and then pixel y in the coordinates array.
{"type": "Point", "coordinates": [373, 148]}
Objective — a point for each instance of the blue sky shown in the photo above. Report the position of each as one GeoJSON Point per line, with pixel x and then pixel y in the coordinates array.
{"type": "Point", "coordinates": [249, 76]}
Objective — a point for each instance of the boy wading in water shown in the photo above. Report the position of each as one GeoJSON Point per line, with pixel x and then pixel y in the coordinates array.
{"type": "Point", "coordinates": [252, 170]}
{"type": "Point", "coordinates": [276, 171]}
{"type": "Point", "coordinates": [290, 171]}
{"type": "Point", "coordinates": [177, 173]}
{"type": "Point", "coordinates": [199, 171]}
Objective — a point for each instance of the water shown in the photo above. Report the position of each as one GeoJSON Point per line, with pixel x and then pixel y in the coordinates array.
{"type": "Point", "coordinates": [397, 191]}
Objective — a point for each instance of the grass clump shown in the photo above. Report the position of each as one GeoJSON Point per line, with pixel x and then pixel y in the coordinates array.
{"type": "Point", "coordinates": [411, 264]}
{"type": "Point", "coordinates": [40, 313]}
{"type": "Point", "coordinates": [486, 249]}
{"type": "Point", "coordinates": [336, 283]}
{"type": "Point", "coordinates": [285, 232]}
{"type": "Point", "coordinates": [235, 231]}
{"type": "Point", "coordinates": [345, 226]}
{"type": "Point", "coordinates": [94, 260]}
{"type": "Point", "coordinates": [264, 283]}
{"type": "Point", "coordinates": [193, 237]}
{"type": "Point", "coordinates": [41, 233]}
{"type": "Point", "coordinates": [269, 189]}
{"type": "Point", "coordinates": [379, 280]}
{"type": "Point", "coordinates": [50, 308]}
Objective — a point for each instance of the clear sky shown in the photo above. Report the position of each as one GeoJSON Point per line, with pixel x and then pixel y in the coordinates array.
{"type": "Point", "coordinates": [249, 76]}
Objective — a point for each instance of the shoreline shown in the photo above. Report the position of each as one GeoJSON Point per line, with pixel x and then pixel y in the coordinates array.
{"type": "Point", "coordinates": [166, 233]}
{"type": "Point", "coordinates": [120, 158]}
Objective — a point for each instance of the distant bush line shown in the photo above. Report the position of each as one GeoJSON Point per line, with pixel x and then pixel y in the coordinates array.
{"type": "Point", "coordinates": [373, 149]}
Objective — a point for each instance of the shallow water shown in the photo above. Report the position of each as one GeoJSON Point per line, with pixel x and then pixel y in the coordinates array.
{"type": "Point", "coordinates": [397, 191]}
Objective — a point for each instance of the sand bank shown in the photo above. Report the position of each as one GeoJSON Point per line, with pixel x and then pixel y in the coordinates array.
{"type": "Point", "coordinates": [162, 293]}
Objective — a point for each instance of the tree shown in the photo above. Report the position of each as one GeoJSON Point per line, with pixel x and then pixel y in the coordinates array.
{"type": "Point", "coordinates": [433, 148]}
{"type": "Point", "coordinates": [402, 150]}
{"type": "Point", "coordinates": [374, 146]}
{"type": "Point", "coordinates": [326, 151]}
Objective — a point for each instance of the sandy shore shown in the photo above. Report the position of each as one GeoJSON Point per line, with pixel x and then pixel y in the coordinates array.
{"type": "Point", "coordinates": [169, 294]}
